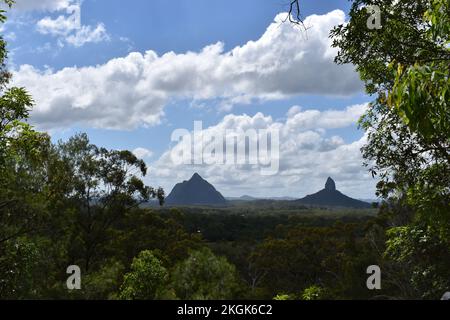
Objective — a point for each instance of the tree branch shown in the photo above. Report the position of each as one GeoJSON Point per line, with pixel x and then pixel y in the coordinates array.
{"type": "Point", "coordinates": [294, 15]}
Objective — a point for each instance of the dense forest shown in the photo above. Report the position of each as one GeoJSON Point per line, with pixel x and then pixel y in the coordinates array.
{"type": "Point", "coordinates": [75, 203]}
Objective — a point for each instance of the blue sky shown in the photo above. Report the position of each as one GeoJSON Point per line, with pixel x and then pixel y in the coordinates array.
{"type": "Point", "coordinates": [125, 90]}
{"type": "Point", "coordinates": [160, 25]}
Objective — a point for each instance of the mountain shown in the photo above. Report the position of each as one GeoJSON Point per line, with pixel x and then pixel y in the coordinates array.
{"type": "Point", "coordinates": [196, 191]}
{"type": "Point", "coordinates": [250, 198]}
{"type": "Point", "coordinates": [332, 197]}
{"type": "Point", "coordinates": [243, 198]}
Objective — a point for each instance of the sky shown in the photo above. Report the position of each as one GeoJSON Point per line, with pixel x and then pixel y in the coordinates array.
{"type": "Point", "coordinates": [130, 73]}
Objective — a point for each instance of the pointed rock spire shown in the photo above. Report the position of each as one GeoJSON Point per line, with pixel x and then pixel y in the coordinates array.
{"type": "Point", "coordinates": [330, 185]}
{"type": "Point", "coordinates": [333, 198]}
{"type": "Point", "coordinates": [196, 176]}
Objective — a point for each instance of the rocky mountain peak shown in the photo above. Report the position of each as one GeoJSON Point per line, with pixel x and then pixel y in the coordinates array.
{"type": "Point", "coordinates": [196, 176]}
{"type": "Point", "coordinates": [196, 191]}
{"type": "Point", "coordinates": [330, 184]}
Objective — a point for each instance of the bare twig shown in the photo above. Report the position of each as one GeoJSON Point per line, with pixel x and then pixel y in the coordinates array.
{"type": "Point", "coordinates": [294, 16]}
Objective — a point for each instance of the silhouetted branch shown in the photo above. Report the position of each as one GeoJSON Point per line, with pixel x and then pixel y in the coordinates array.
{"type": "Point", "coordinates": [294, 15]}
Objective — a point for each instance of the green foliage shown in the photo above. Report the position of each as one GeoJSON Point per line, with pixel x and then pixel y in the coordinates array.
{"type": "Point", "coordinates": [405, 63]}
{"type": "Point", "coordinates": [282, 297]}
{"type": "Point", "coordinates": [144, 229]}
{"type": "Point", "coordinates": [99, 188]}
{"type": "Point", "coordinates": [20, 263]}
{"type": "Point", "coordinates": [425, 254]}
{"type": "Point", "coordinates": [22, 191]}
{"type": "Point", "coordinates": [421, 95]}
{"type": "Point", "coordinates": [421, 90]}
{"type": "Point", "coordinates": [104, 283]}
{"type": "Point", "coordinates": [203, 276]}
{"type": "Point", "coordinates": [5, 76]}
{"type": "Point", "coordinates": [19, 151]}
{"type": "Point", "coordinates": [15, 103]}
{"type": "Point", "coordinates": [147, 280]}
{"type": "Point", "coordinates": [301, 257]}
{"type": "Point", "coordinates": [313, 293]}
{"type": "Point", "coordinates": [9, 3]}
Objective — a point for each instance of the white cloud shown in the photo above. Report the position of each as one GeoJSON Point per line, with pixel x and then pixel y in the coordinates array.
{"type": "Point", "coordinates": [68, 27]}
{"type": "Point", "coordinates": [63, 25]}
{"type": "Point", "coordinates": [87, 34]}
{"type": "Point", "coordinates": [332, 119]}
{"type": "Point", "coordinates": [142, 153]}
{"type": "Point", "coordinates": [132, 91]}
{"type": "Point", "coordinates": [107, 96]}
{"type": "Point", "coordinates": [307, 157]}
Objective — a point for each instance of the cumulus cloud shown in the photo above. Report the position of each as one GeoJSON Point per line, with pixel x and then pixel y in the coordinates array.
{"type": "Point", "coordinates": [132, 91]}
{"type": "Point", "coordinates": [62, 25]}
{"type": "Point", "coordinates": [108, 96]}
{"type": "Point", "coordinates": [68, 27]}
{"type": "Point", "coordinates": [88, 34]}
{"type": "Point", "coordinates": [142, 153]}
{"type": "Point", "coordinates": [308, 155]}
{"type": "Point", "coordinates": [332, 119]}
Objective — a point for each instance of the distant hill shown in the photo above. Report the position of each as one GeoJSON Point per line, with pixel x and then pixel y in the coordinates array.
{"type": "Point", "coordinates": [196, 191]}
{"type": "Point", "coordinates": [332, 197]}
{"type": "Point", "coordinates": [243, 198]}
{"type": "Point", "coordinates": [250, 198]}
